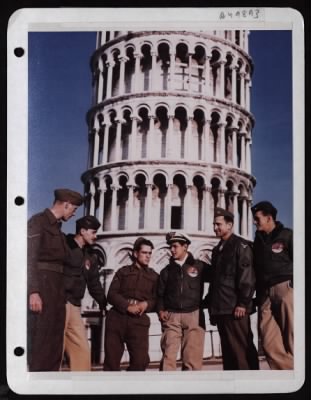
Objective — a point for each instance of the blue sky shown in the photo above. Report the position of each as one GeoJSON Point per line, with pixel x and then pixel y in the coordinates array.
{"type": "Point", "coordinates": [60, 96]}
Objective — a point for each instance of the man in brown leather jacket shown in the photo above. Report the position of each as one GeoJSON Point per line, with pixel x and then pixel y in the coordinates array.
{"type": "Point", "coordinates": [47, 251]}
{"type": "Point", "coordinates": [132, 294]}
{"type": "Point", "coordinates": [230, 294]}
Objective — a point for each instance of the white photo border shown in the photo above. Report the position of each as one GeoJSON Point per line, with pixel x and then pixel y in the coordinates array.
{"type": "Point", "coordinates": [154, 382]}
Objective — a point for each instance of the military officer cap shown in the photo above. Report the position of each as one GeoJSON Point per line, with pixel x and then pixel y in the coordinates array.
{"type": "Point", "coordinates": [266, 207]}
{"type": "Point", "coordinates": [88, 222]}
{"type": "Point", "coordinates": [177, 237]}
{"type": "Point", "coordinates": [71, 196]}
{"type": "Point", "coordinates": [221, 212]}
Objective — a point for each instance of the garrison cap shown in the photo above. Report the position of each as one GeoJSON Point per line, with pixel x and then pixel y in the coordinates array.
{"type": "Point", "coordinates": [221, 212]}
{"type": "Point", "coordinates": [266, 207]}
{"type": "Point", "coordinates": [71, 196]}
{"type": "Point", "coordinates": [177, 237]}
{"type": "Point", "coordinates": [141, 240]}
{"type": "Point", "coordinates": [88, 222]}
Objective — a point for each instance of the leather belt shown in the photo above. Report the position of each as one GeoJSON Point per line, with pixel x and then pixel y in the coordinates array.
{"type": "Point", "coordinates": [46, 266]}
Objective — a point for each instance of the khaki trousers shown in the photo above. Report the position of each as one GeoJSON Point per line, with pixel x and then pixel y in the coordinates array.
{"type": "Point", "coordinates": [276, 326]}
{"type": "Point", "coordinates": [76, 345]}
{"type": "Point", "coordinates": [182, 330]}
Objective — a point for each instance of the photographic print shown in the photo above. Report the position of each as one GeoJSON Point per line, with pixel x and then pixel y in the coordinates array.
{"type": "Point", "coordinates": [156, 170]}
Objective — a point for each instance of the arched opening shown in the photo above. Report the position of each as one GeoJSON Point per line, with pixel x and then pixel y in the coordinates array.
{"type": "Point", "coordinates": [181, 67]}
{"type": "Point", "coordinates": [197, 133]}
{"type": "Point", "coordinates": [112, 136]}
{"type": "Point", "coordinates": [107, 204]}
{"type": "Point", "coordinates": [122, 198]}
{"type": "Point", "coordinates": [179, 191]}
{"type": "Point", "coordinates": [215, 191]}
{"type": "Point", "coordinates": [229, 196]}
{"type": "Point", "coordinates": [116, 73]}
{"type": "Point", "coordinates": [125, 134]}
{"type": "Point", "coordinates": [228, 77]}
{"type": "Point", "coordinates": [163, 64]}
{"type": "Point", "coordinates": [228, 141]}
{"type": "Point", "coordinates": [198, 63]}
{"type": "Point", "coordinates": [160, 192]}
{"type": "Point", "coordinates": [129, 70]}
{"type": "Point", "coordinates": [215, 65]}
{"type": "Point", "coordinates": [214, 137]}
{"type": "Point", "coordinates": [161, 126]}
{"type": "Point", "coordinates": [142, 131]}
{"type": "Point", "coordinates": [140, 195]}
{"type": "Point", "coordinates": [146, 66]}
{"type": "Point", "coordinates": [198, 187]}
{"type": "Point", "coordinates": [180, 126]}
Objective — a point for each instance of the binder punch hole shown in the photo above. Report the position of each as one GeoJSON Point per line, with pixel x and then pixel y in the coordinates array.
{"type": "Point", "coordinates": [19, 200]}
{"type": "Point", "coordinates": [19, 351]}
{"type": "Point", "coordinates": [19, 51]}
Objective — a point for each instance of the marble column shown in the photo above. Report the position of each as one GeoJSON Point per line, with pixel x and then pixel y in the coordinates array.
{"type": "Point", "coordinates": [190, 72]}
{"type": "Point", "coordinates": [170, 136]}
{"type": "Point", "coordinates": [122, 60]}
{"type": "Point", "coordinates": [248, 155]}
{"type": "Point", "coordinates": [102, 189]}
{"type": "Point", "coordinates": [222, 80]}
{"type": "Point", "coordinates": [247, 94]}
{"type": "Point", "coordinates": [100, 80]}
{"type": "Point", "coordinates": [208, 226]}
{"type": "Point", "coordinates": [150, 139]}
{"type": "Point", "coordinates": [130, 209]}
{"type": "Point", "coordinates": [221, 133]}
{"type": "Point", "coordinates": [207, 155]}
{"type": "Point", "coordinates": [96, 142]}
{"type": "Point", "coordinates": [236, 213]}
{"type": "Point", "coordinates": [153, 71]}
{"type": "Point", "coordinates": [137, 72]}
{"type": "Point", "coordinates": [234, 83]}
{"type": "Point", "coordinates": [118, 139]}
{"type": "Point", "coordinates": [234, 147]}
{"type": "Point", "coordinates": [92, 203]}
{"type": "Point", "coordinates": [110, 65]}
{"type": "Point", "coordinates": [114, 216]}
{"type": "Point", "coordinates": [106, 142]}
{"type": "Point", "coordinates": [188, 133]}
{"type": "Point", "coordinates": [250, 219]}
{"type": "Point", "coordinates": [242, 91]}
{"type": "Point", "coordinates": [148, 209]}
{"type": "Point", "coordinates": [168, 207]}
{"type": "Point", "coordinates": [242, 166]}
{"type": "Point", "coordinates": [207, 76]}
{"type": "Point", "coordinates": [244, 217]}
{"type": "Point", "coordinates": [172, 72]}
{"type": "Point", "coordinates": [134, 154]}
{"type": "Point", "coordinates": [187, 214]}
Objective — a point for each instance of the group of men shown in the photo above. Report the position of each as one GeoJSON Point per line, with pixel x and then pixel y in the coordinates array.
{"type": "Point", "coordinates": [60, 267]}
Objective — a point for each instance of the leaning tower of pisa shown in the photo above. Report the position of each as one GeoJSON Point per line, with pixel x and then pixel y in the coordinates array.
{"type": "Point", "coordinates": [170, 133]}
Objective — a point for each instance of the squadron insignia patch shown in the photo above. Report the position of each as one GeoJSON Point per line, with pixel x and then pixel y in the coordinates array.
{"type": "Point", "coordinates": [193, 272]}
{"type": "Point", "coordinates": [277, 247]}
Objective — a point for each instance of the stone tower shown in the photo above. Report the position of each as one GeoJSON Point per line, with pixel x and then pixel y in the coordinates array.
{"type": "Point", "coordinates": [170, 133]}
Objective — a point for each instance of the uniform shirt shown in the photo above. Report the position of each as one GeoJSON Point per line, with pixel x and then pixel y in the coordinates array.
{"type": "Point", "coordinates": [46, 247]}
{"type": "Point", "coordinates": [132, 282]}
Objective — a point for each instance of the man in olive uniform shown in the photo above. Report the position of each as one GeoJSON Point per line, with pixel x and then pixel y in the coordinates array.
{"type": "Point", "coordinates": [180, 294]}
{"type": "Point", "coordinates": [81, 270]}
{"type": "Point", "coordinates": [47, 251]}
{"type": "Point", "coordinates": [132, 294]}
{"type": "Point", "coordinates": [230, 295]}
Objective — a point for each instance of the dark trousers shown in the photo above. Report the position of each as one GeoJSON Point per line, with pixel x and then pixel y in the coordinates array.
{"type": "Point", "coordinates": [238, 349]}
{"type": "Point", "coordinates": [46, 329]}
{"type": "Point", "coordinates": [130, 330]}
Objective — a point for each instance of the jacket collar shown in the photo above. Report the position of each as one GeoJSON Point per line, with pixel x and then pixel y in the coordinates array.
{"type": "Point", "coordinates": [51, 216]}
{"type": "Point", "coordinates": [273, 234]}
{"type": "Point", "coordinates": [189, 260]}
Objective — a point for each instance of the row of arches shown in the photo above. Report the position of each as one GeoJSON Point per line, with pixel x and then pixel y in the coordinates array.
{"type": "Point", "coordinates": [163, 132]}
{"type": "Point", "coordinates": [176, 202]}
{"type": "Point", "coordinates": [238, 37]}
{"type": "Point", "coordinates": [155, 64]}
